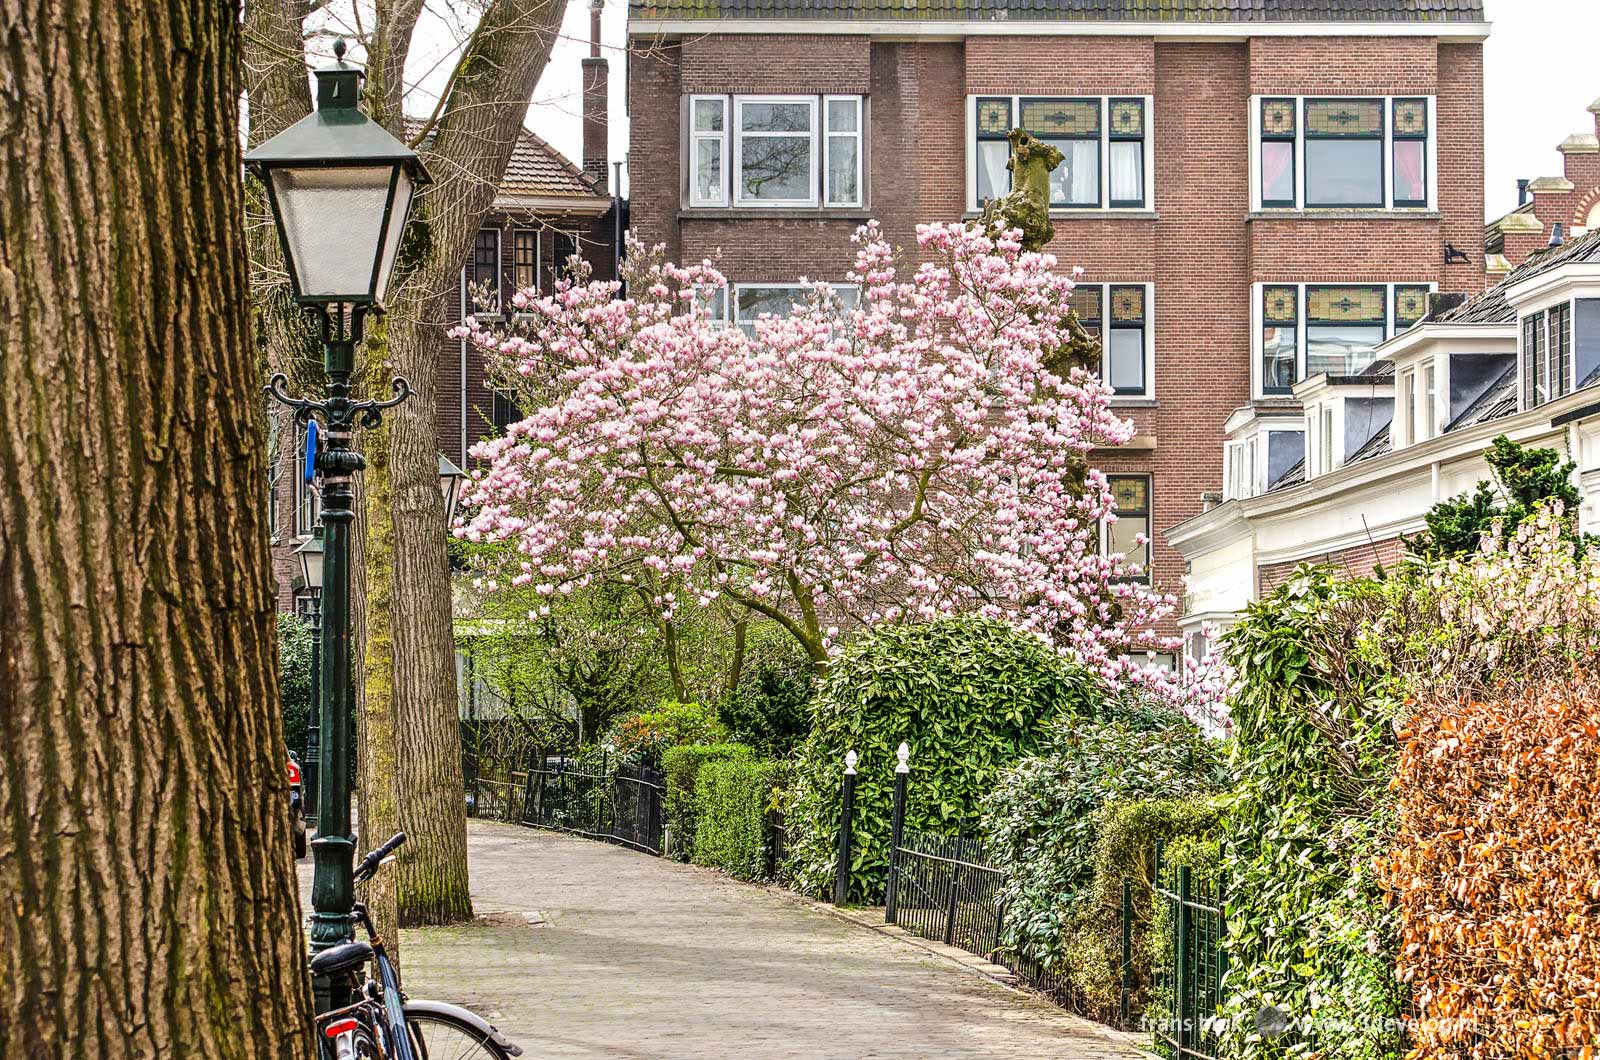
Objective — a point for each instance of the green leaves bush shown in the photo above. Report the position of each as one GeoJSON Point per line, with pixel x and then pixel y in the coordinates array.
{"type": "Point", "coordinates": [969, 695]}
{"type": "Point", "coordinates": [645, 735]}
{"type": "Point", "coordinates": [294, 679]}
{"type": "Point", "coordinates": [770, 707]}
{"type": "Point", "coordinates": [680, 766]}
{"type": "Point", "coordinates": [732, 798]}
{"type": "Point", "coordinates": [1068, 823]}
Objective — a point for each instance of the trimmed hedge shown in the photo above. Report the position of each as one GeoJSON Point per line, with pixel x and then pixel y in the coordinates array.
{"type": "Point", "coordinates": [732, 797]}
{"type": "Point", "coordinates": [680, 765]}
{"type": "Point", "coordinates": [970, 695]}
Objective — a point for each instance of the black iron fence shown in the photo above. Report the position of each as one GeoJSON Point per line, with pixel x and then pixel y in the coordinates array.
{"type": "Point", "coordinates": [945, 891]}
{"type": "Point", "coordinates": [618, 802]}
{"type": "Point", "coordinates": [1192, 963]}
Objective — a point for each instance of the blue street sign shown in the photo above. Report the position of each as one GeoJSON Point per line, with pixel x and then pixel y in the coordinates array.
{"type": "Point", "coordinates": [311, 450]}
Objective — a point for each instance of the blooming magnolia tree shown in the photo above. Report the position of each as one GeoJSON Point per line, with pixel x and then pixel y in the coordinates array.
{"type": "Point", "coordinates": [923, 452]}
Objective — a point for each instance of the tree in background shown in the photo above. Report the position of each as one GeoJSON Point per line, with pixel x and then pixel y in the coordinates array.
{"type": "Point", "coordinates": [410, 711]}
{"type": "Point", "coordinates": [294, 679]}
{"type": "Point", "coordinates": [150, 903]}
{"type": "Point", "coordinates": [1524, 480]}
{"type": "Point", "coordinates": [908, 458]}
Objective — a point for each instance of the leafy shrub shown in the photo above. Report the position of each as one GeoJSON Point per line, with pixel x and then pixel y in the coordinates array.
{"type": "Point", "coordinates": [1496, 873]}
{"type": "Point", "coordinates": [1067, 824]}
{"type": "Point", "coordinates": [970, 696]}
{"type": "Point", "coordinates": [680, 765]}
{"type": "Point", "coordinates": [644, 735]}
{"type": "Point", "coordinates": [1525, 480]}
{"type": "Point", "coordinates": [769, 709]}
{"type": "Point", "coordinates": [294, 679]}
{"type": "Point", "coordinates": [732, 799]}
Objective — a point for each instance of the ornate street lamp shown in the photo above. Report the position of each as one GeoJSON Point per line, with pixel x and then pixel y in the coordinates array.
{"type": "Point", "coordinates": [310, 556]}
{"type": "Point", "coordinates": [450, 478]}
{"type": "Point", "coordinates": [340, 188]}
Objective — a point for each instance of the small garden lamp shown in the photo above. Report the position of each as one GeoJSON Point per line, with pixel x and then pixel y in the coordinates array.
{"type": "Point", "coordinates": [310, 557]}
{"type": "Point", "coordinates": [340, 188]}
{"type": "Point", "coordinates": [450, 478]}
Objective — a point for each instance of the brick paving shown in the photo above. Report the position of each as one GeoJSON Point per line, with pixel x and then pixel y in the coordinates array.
{"type": "Point", "coordinates": [583, 949]}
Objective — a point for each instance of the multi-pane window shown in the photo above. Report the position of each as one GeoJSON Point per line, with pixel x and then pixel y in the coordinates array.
{"type": "Point", "coordinates": [1280, 338]}
{"type": "Point", "coordinates": [752, 301]}
{"type": "Point", "coordinates": [563, 245]}
{"type": "Point", "coordinates": [525, 259]}
{"type": "Point", "coordinates": [1343, 152]}
{"type": "Point", "coordinates": [1278, 125]}
{"type": "Point", "coordinates": [504, 412]}
{"type": "Point", "coordinates": [1118, 314]}
{"type": "Point", "coordinates": [1335, 329]}
{"type": "Point", "coordinates": [708, 151]}
{"type": "Point", "coordinates": [776, 150]}
{"type": "Point", "coordinates": [1410, 151]}
{"type": "Point", "coordinates": [1130, 502]}
{"type": "Point", "coordinates": [1586, 340]}
{"type": "Point", "coordinates": [1546, 355]}
{"type": "Point", "coordinates": [1344, 325]}
{"type": "Point", "coordinates": [1103, 142]}
{"type": "Point", "coordinates": [481, 276]}
{"type": "Point", "coordinates": [843, 143]}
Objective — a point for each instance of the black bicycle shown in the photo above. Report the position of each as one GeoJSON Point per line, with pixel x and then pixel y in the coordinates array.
{"type": "Point", "coordinates": [384, 1024]}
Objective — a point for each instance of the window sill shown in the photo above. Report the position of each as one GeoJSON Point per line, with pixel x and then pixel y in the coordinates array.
{"type": "Point", "coordinates": [767, 213]}
{"type": "Point", "coordinates": [1399, 214]}
{"type": "Point", "coordinates": [1134, 402]}
{"type": "Point", "coordinates": [1094, 214]}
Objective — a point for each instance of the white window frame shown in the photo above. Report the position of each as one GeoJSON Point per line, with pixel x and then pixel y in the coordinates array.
{"type": "Point", "coordinates": [1147, 569]}
{"type": "Point", "coordinates": [973, 205]}
{"type": "Point", "coordinates": [829, 136]}
{"type": "Point", "coordinates": [739, 135]}
{"type": "Point", "coordinates": [1428, 391]}
{"type": "Point", "coordinates": [1431, 154]}
{"type": "Point", "coordinates": [1410, 414]}
{"type": "Point", "coordinates": [723, 137]}
{"type": "Point", "coordinates": [1258, 321]}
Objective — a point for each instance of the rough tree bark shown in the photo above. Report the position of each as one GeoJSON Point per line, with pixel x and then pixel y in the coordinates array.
{"type": "Point", "coordinates": [471, 145]}
{"type": "Point", "coordinates": [150, 904]}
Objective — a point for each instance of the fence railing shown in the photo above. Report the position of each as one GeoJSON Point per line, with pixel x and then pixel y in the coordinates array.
{"type": "Point", "coordinates": [622, 804]}
{"type": "Point", "coordinates": [1188, 977]}
{"type": "Point", "coordinates": [945, 891]}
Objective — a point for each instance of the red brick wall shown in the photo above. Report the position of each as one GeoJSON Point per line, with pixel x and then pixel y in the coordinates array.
{"type": "Point", "coordinates": [1358, 561]}
{"type": "Point", "coordinates": [779, 63]}
{"type": "Point", "coordinates": [1100, 66]}
{"type": "Point", "coordinates": [1201, 249]}
{"type": "Point", "coordinates": [1340, 65]}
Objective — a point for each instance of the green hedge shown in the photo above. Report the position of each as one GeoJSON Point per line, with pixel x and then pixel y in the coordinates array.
{"type": "Point", "coordinates": [970, 695]}
{"type": "Point", "coordinates": [732, 797]}
{"type": "Point", "coordinates": [680, 765]}
{"type": "Point", "coordinates": [1066, 825]}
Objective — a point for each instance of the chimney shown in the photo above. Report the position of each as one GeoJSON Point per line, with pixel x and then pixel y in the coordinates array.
{"type": "Point", "coordinates": [596, 78]}
{"type": "Point", "coordinates": [1556, 238]}
{"type": "Point", "coordinates": [1522, 191]}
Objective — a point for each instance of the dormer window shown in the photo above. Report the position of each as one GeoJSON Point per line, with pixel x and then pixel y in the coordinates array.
{"type": "Point", "coordinates": [1546, 355]}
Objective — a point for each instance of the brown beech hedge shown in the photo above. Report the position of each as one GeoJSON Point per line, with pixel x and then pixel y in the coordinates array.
{"type": "Point", "coordinates": [1496, 872]}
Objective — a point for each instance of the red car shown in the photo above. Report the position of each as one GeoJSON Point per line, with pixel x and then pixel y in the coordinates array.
{"type": "Point", "coordinates": [297, 817]}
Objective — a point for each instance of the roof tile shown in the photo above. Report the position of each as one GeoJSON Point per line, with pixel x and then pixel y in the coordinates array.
{"type": "Point", "coordinates": [1072, 10]}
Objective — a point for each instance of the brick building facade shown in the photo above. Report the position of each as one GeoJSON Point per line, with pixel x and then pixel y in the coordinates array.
{"type": "Point", "coordinates": [1571, 200]}
{"type": "Point", "coordinates": [547, 209]}
{"type": "Point", "coordinates": [1214, 158]}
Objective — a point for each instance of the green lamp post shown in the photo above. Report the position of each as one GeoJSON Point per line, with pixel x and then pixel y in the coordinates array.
{"type": "Point", "coordinates": [340, 188]}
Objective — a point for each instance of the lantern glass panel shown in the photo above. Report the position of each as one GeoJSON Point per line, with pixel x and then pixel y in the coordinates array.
{"type": "Point", "coordinates": [332, 220]}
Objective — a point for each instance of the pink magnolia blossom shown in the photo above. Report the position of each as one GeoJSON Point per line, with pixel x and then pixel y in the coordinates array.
{"type": "Point", "coordinates": [907, 458]}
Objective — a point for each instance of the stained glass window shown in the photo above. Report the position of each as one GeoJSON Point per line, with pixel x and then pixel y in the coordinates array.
{"type": "Point", "coordinates": [1127, 152]}
{"type": "Point", "coordinates": [1052, 118]}
{"type": "Point", "coordinates": [1344, 117]}
{"type": "Point", "coordinates": [1410, 305]}
{"type": "Point", "coordinates": [1130, 498]}
{"type": "Point", "coordinates": [1277, 118]}
{"type": "Point", "coordinates": [1086, 303]}
{"type": "Point", "coordinates": [1410, 118]}
{"type": "Point", "coordinates": [1344, 325]}
{"type": "Point", "coordinates": [1125, 340]}
{"type": "Point", "coordinates": [1280, 339]}
{"type": "Point", "coordinates": [1277, 152]}
{"type": "Point", "coordinates": [1127, 119]}
{"type": "Point", "coordinates": [1410, 158]}
{"type": "Point", "coordinates": [994, 117]}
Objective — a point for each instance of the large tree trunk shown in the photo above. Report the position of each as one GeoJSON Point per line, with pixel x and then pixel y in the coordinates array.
{"type": "Point", "coordinates": [150, 905]}
{"type": "Point", "coordinates": [472, 145]}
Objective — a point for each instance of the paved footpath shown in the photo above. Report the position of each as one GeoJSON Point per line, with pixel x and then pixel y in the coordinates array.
{"type": "Point", "coordinates": [583, 949]}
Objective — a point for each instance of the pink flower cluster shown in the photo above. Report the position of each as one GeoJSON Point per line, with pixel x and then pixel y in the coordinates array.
{"type": "Point", "coordinates": [909, 457]}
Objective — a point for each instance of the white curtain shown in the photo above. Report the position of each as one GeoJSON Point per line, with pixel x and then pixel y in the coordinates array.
{"type": "Point", "coordinates": [1127, 171]}
{"type": "Point", "coordinates": [1077, 180]}
{"type": "Point", "coordinates": [993, 180]}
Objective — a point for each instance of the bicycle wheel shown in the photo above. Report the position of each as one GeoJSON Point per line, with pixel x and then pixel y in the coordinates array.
{"type": "Point", "coordinates": [441, 1036]}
